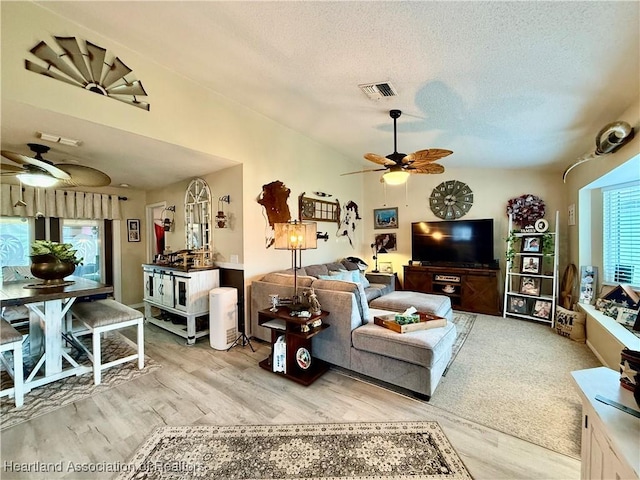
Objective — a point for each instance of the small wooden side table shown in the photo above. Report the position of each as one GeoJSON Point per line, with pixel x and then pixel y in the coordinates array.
{"type": "Point", "coordinates": [298, 343]}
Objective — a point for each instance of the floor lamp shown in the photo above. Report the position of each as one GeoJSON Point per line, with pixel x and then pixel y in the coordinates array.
{"type": "Point", "coordinates": [295, 236]}
{"type": "Point", "coordinates": [377, 249]}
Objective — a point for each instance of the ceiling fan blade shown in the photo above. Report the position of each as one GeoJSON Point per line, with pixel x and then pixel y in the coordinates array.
{"type": "Point", "coordinates": [429, 168]}
{"type": "Point", "coordinates": [426, 156]}
{"type": "Point", "coordinates": [10, 169]}
{"type": "Point", "coordinates": [75, 55]}
{"type": "Point", "coordinates": [24, 160]}
{"type": "Point", "coordinates": [46, 54]}
{"type": "Point", "coordinates": [96, 60]}
{"type": "Point", "coordinates": [364, 171]}
{"type": "Point", "coordinates": [82, 176]}
{"type": "Point", "coordinates": [380, 160]}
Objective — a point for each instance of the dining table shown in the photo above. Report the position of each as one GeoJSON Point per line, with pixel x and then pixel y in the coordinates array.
{"type": "Point", "coordinates": [49, 306]}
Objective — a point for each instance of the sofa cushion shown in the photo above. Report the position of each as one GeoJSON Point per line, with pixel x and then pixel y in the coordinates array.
{"type": "Point", "coordinates": [287, 279]}
{"type": "Point", "coordinates": [399, 301]}
{"type": "Point", "coordinates": [423, 347]}
{"type": "Point", "coordinates": [375, 290]}
{"type": "Point", "coordinates": [350, 265]}
{"type": "Point", "coordinates": [334, 267]}
{"type": "Point", "coordinates": [344, 286]}
{"type": "Point", "coordinates": [316, 270]}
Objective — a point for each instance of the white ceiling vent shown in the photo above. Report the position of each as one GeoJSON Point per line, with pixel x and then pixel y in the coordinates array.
{"type": "Point", "coordinates": [376, 91]}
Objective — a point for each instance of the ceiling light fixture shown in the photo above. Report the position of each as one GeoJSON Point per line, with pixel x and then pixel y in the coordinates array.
{"type": "Point", "coordinates": [395, 176]}
{"type": "Point", "coordinates": [42, 180]}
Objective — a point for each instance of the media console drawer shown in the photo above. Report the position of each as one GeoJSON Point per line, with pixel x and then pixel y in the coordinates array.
{"type": "Point", "coordinates": [470, 289]}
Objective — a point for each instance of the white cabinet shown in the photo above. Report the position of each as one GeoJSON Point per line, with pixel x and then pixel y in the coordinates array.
{"type": "Point", "coordinates": [181, 292]}
{"type": "Point", "coordinates": [531, 274]}
{"type": "Point", "coordinates": [610, 436]}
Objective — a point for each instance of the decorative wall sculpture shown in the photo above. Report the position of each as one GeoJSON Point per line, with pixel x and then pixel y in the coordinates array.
{"type": "Point", "coordinates": [85, 65]}
{"type": "Point", "coordinates": [348, 222]}
{"type": "Point", "coordinates": [274, 198]}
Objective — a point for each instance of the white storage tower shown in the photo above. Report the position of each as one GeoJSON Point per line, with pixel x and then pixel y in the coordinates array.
{"type": "Point", "coordinates": [223, 317]}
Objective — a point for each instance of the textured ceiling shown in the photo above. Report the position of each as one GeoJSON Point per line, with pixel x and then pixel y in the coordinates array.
{"type": "Point", "coordinates": [502, 84]}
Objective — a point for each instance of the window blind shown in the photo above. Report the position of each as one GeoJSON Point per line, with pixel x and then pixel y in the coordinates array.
{"type": "Point", "coordinates": [621, 242]}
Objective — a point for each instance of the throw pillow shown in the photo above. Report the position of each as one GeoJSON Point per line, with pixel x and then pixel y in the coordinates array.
{"type": "Point", "coordinates": [571, 324]}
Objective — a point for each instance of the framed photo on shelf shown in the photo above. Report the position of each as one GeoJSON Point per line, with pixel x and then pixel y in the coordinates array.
{"type": "Point", "coordinates": [531, 265]}
{"type": "Point", "coordinates": [542, 309]}
{"type": "Point", "coordinates": [133, 230]}
{"type": "Point", "coordinates": [518, 305]}
{"type": "Point", "coordinates": [532, 244]}
{"type": "Point", "coordinates": [385, 267]}
{"type": "Point", "coordinates": [530, 286]}
{"type": "Point", "coordinates": [385, 218]}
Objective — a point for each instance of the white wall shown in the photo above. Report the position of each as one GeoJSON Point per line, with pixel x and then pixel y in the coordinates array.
{"type": "Point", "coordinates": [491, 191]}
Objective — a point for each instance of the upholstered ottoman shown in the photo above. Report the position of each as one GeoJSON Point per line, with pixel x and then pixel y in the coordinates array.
{"type": "Point", "coordinates": [414, 360]}
{"type": "Point", "coordinates": [399, 301]}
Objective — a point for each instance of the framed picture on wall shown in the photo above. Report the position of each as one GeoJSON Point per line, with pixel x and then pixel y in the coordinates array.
{"type": "Point", "coordinates": [386, 241]}
{"type": "Point", "coordinates": [133, 230]}
{"type": "Point", "coordinates": [385, 218]}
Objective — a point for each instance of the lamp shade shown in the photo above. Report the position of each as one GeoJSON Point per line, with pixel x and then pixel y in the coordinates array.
{"type": "Point", "coordinates": [295, 235]}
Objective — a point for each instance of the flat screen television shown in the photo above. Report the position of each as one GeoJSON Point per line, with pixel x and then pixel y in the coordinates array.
{"type": "Point", "coordinates": [464, 242]}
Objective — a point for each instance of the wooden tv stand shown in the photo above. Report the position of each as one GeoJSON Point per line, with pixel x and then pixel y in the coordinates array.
{"type": "Point", "coordinates": [470, 289]}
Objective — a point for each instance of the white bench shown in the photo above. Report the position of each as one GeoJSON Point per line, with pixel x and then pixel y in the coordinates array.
{"type": "Point", "coordinates": [606, 338]}
{"type": "Point", "coordinates": [102, 316]}
{"type": "Point", "coordinates": [11, 341]}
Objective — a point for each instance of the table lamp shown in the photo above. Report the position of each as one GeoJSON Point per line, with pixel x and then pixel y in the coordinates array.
{"type": "Point", "coordinates": [377, 249]}
{"type": "Point", "coordinates": [295, 236]}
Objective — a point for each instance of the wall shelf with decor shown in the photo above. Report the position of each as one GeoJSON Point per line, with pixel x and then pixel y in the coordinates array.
{"type": "Point", "coordinates": [531, 273]}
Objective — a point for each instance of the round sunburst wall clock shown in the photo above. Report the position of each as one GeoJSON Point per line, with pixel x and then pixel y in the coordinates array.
{"type": "Point", "coordinates": [451, 200]}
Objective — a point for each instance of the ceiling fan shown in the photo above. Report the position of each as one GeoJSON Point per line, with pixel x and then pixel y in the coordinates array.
{"type": "Point", "coordinates": [399, 166]}
{"type": "Point", "coordinates": [37, 172]}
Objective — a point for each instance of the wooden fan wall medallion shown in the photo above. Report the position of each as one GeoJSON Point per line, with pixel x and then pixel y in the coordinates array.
{"type": "Point", "coordinates": [451, 200]}
{"type": "Point", "coordinates": [82, 64]}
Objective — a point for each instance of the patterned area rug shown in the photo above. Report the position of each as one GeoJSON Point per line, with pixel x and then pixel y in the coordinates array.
{"type": "Point", "coordinates": [50, 397]}
{"type": "Point", "coordinates": [417, 450]}
{"type": "Point", "coordinates": [464, 323]}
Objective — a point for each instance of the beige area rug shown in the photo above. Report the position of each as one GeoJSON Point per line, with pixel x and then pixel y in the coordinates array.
{"type": "Point", "coordinates": [54, 395]}
{"type": "Point", "coordinates": [416, 450]}
{"type": "Point", "coordinates": [514, 376]}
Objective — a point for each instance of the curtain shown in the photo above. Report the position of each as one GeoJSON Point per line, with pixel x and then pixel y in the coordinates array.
{"type": "Point", "coordinates": [59, 203]}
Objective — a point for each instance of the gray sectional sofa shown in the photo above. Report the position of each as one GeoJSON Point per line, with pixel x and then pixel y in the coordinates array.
{"type": "Point", "coordinates": [414, 361]}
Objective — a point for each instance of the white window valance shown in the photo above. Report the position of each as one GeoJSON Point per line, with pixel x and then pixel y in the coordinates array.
{"type": "Point", "coordinates": [59, 203]}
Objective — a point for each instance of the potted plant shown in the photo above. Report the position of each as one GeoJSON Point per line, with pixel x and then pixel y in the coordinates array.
{"type": "Point", "coordinates": [52, 261]}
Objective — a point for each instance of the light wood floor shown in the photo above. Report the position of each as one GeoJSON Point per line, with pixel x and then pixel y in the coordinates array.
{"type": "Point", "coordinates": [199, 385]}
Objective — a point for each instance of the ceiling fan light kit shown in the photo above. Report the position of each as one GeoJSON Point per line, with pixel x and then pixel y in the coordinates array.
{"type": "Point", "coordinates": [398, 166]}
{"type": "Point", "coordinates": [41, 180]}
{"type": "Point", "coordinates": [38, 172]}
{"type": "Point", "coordinates": [395, 176]}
